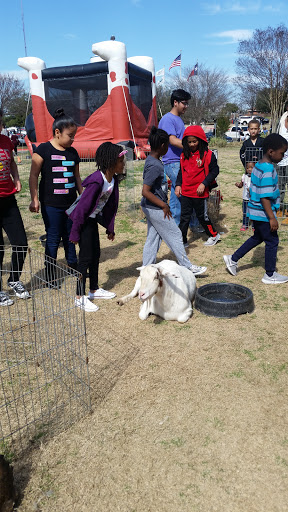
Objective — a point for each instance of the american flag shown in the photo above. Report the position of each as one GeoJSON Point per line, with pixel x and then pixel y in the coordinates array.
{"type": "Point", "coordinates": [176, 62]}
{"type": "Point", "coordinates": [194, 71]}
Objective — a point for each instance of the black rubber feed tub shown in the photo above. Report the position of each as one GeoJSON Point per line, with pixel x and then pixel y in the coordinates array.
{"type": "Point", "coordinates": [224, 300]}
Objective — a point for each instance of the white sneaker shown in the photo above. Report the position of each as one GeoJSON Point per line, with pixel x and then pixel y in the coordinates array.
{"type": "Point", "coordinates": [101, 294]}
{"type": "Point", "coordinates": [274, 279]}
{"type": "Point", "coordinates": [85, 304]}
{"type": "Point", "coordinates": [19, 289]}
{"type": "Point", "coordinates": [197, 270]}
{"type": "Point", "coordinates": [5, 299]}
{"type": "Point", "coordinates": [213, 240]}
{"type": "Point", "coordinates": [230, 264]}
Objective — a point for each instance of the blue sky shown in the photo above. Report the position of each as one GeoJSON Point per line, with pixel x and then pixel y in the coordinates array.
{"type": "Point", "coordinates": [62, 32]}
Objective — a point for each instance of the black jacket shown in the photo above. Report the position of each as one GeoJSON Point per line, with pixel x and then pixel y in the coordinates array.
{"type": "Point", "coordinates": [250, 152]}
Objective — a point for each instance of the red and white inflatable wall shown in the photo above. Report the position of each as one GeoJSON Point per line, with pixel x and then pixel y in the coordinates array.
{"type": "Point", "coordinates": [118, 119]}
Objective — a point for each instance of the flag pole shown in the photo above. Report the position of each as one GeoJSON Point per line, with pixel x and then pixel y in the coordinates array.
{"type": "Point", "coordinates": [180, 63]}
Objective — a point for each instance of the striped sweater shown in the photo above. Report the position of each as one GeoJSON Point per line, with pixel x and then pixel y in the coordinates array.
{"type": "Point", "coordinates": [264, 183]}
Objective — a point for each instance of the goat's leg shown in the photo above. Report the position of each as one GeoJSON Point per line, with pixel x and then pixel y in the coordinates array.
{"type": "Point", "coordinates": [131, 295]}
{"type": "Point", "coordinates": [144, 310]}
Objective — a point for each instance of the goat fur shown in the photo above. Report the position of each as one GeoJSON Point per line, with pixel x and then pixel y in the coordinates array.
{"type": "Point", "coordinates": [166, 289]}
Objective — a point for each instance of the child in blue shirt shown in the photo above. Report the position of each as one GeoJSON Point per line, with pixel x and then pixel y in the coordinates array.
{"type": "Point", "coordinates": [262, 207]}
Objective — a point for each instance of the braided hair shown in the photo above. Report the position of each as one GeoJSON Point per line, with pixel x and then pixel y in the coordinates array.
{"type": "Point", "coordinates": [107, 155]}
{"type": "Point", "coordinates": [187, 151]}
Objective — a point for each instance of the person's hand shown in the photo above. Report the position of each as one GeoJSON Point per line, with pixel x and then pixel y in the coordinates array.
{"type": "Point", "coordinates": [167, 211]}
{"type": "Point", "coordinates": [18, 185]}
{"type": "Point", "coordinates": [34, 206]}
{"type": "Point", "coordinates": [200, 189]}
{"type": "Point", "coordinates": [111, 236]}
{"type": "Point", "coordinates": [239, 185]}
{"type": "Point", "coordinates": [72, 242]}
{"type": "Point", "coordinates": [273, 224]}
{"type": "Point", "coordinates": [178, 191]}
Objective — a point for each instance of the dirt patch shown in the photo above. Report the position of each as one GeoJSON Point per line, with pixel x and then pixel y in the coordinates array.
{"type": "Point", "coordinates": [186, 417]}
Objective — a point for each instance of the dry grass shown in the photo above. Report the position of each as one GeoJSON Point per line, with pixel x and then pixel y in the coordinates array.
{"type": "Point", "coordinates": [186, 417]}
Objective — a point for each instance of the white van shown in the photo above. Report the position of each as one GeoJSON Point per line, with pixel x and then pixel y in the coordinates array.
{"type": "Point", "coordinates": [244, 120]}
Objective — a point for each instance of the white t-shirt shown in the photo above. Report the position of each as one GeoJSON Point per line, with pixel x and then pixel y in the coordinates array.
{"type": "Point", "coordinates": [246, 180]}
{"type": "Point", "coordinates": [284, 132]}
{"type": "Point", "coordinates": [104, 196]}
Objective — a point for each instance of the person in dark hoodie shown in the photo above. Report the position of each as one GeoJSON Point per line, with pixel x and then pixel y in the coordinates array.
{"type": "Point", "coordinates": [251, 150]}
{"type": "Point", "coordinates": [98, 204]}
{"type": "Point", "coordinates": [58, 164]}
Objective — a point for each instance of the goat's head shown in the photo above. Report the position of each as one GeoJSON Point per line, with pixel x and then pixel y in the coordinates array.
{"type": "Point", "coordinates": [152, 280]}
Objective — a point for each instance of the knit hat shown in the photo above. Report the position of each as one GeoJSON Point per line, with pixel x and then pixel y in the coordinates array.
{"type": "Point", "coordinates": [196, 131]}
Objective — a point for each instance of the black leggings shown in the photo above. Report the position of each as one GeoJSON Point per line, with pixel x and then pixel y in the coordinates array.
{"type": "Point", "coordinates": [89, 255]}
{"type": "Point", "coordinates": [11, 222]}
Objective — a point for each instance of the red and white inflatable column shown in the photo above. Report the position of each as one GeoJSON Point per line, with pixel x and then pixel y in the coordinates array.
{"type": "Point", "coordinates": [114, 52]}
{"type": "Point", "coordinates": [42, 121]}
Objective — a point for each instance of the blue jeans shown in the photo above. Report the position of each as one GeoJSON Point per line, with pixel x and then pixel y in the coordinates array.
{"type": "Point", "coordinates": [172, 170]}
{"type": "Point", "coordinates": [262, 233]}
{"type": "Point", "coordinates": [58, 226]}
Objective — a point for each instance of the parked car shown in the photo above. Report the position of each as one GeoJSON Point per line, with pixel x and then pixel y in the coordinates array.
{"type": "Point", "coordinates": [263, 120]}
{"type": "Point", "coordinates": [235, 134]}
{"type": "Point", "coordinates": [244, 120]}
{"type": "Point", "coordinates": [209, 135]}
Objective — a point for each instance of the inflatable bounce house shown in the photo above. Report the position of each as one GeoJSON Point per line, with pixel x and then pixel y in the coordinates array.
{"type": "Point", "coordinates": [111, 99]}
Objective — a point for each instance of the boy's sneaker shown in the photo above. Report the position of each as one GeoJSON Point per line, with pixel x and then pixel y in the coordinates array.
{"type": "Point", "coordinates": [213, 240]}
{"type": "Point", "coordinates": [197, 271]}
{"type": "Point", "coordinates": [101, 294]}
{"type": "Point", "coordinates": [243, 228]}
{"type": "Point", "coordinates": [230, 264]}
{"type": "Point", "coordinates": [19, 289]}
{"type": "Point", "coordinates": [85, 304]}
{"type": "Point", "coordinates": [274, 279]}
{"type": "Point", "coordinates": [5, 299]}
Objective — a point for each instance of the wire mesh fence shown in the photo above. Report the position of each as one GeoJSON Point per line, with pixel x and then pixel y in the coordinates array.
{"type": "Point", "coordinates": [44, 378]}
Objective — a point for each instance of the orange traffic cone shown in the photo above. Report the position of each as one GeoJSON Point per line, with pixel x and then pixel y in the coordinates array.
{"type": "Point", "coordinates": [18, 160]}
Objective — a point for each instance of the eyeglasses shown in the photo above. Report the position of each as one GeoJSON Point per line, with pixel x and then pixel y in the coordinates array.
{"type": "Point", "coordinates": [185, 103]}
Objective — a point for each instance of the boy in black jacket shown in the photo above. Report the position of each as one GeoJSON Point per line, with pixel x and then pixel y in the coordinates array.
{"type": "Point", "coordinates": [251, 150]}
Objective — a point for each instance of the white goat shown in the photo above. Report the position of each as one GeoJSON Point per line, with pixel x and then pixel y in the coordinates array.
{"type": "Point", "coordinates": [166, 289]}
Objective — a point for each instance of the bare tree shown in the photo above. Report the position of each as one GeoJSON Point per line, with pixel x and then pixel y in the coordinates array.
{"type": "Point", "coordinates": [263, 63]}
{"type": "Point", "coordinates": [210, 91]}
{"type": "Point", "coordinates": [11, 88]}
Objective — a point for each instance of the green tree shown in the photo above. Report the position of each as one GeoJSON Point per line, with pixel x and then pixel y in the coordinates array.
{"type": "Point", "coordinates": [11, 89]}
{"type": "Point", "coordinates": [163, 95]}
{"type": "Point", "coordinates": [17, 109]}
{"type": "Point", "coordinates": [223, 123]}
{"type": "Point", "coordinates": [263, 63]}
{"type": "Point", "coordinates": [262, 101]}
{"type": "Point", "coordinates": [209, 90]}
{"type": "Point", "coordinates": [228, 109]}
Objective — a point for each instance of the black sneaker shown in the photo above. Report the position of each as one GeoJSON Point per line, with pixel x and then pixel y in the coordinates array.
{"type": "Point", "coordinates": [5, 299]}
{"type": "Point", "coordinates": [19, 289]}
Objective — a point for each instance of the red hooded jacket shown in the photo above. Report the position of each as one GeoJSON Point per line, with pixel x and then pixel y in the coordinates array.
{"type": "Point", "coordinates": [195, 171]}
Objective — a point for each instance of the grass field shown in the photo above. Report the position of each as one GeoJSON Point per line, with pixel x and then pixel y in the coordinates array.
{"type": "Point", "coordinates": [186, 418]}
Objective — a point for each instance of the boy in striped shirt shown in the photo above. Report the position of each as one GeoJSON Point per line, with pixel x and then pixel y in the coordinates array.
{"type": "Point", "coordinates": [262, 209]}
